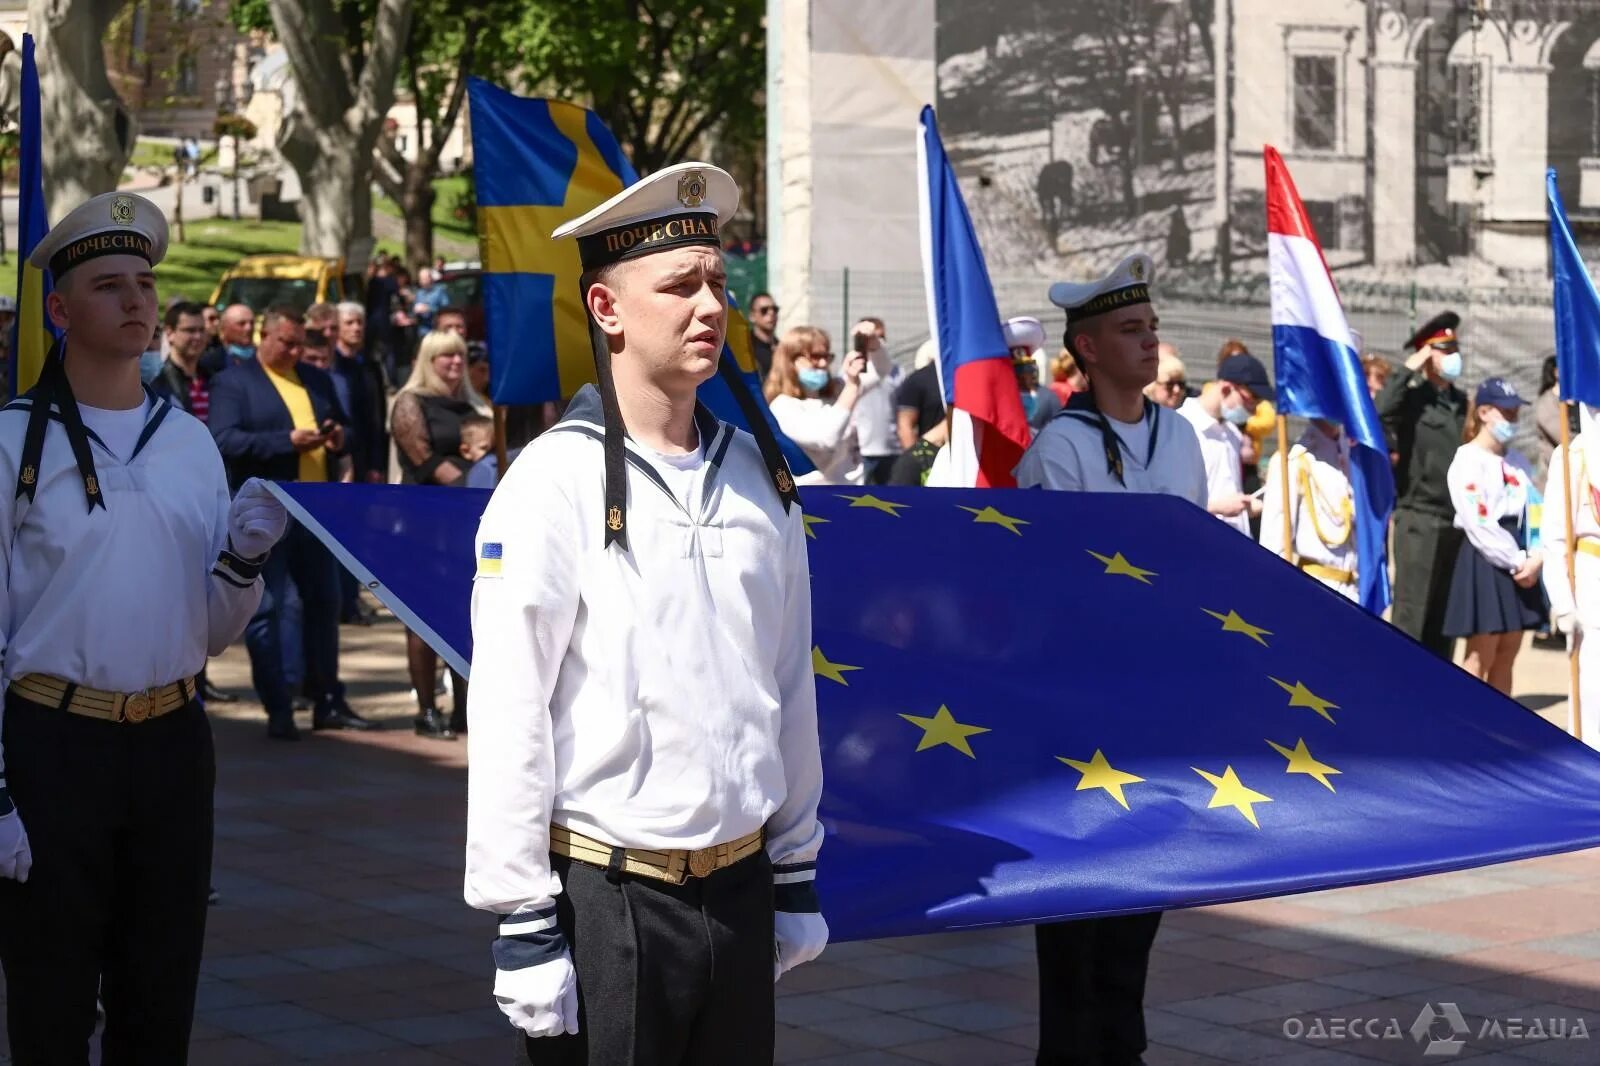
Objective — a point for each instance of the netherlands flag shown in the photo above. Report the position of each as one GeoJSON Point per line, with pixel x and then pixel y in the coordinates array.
{"type": "Point", "coordinates": [988, 429]}
{"type": "Point", "coordinates": [1318, 370]}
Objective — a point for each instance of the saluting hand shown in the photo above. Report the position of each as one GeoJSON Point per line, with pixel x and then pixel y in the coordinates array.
{"type": "Point", "coordinates": [256, 520]}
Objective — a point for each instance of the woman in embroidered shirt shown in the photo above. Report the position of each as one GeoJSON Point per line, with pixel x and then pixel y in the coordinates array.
{"type": "Point", "coordinates": [814, 408]}
{"type": "Point", "coordinates": [1495, 592]}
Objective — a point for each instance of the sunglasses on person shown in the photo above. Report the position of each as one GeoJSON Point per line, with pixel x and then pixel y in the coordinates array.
{"type": "Point", "coordinates": [1173, 383]}
{"type": "Point", "coordinates": [765, 309]}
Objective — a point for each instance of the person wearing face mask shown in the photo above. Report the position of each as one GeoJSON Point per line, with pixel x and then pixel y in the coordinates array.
{"type": "Point", "coordinates": [1321, 508]}
{"type": "Point", "coordinates": [1025, 338]}
{"type": "Point", "coordinates": [1494, 591]}
{"type": "Point", "coordinates": [1423, 413]}
{"type": "Point", "coordinates": [1218, 416]}
{"type": "Point", "coordinates": [813, 408]}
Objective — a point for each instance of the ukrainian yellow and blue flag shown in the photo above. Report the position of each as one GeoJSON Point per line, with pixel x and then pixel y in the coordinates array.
{"type": "Point", "coordinates": [536, 164]}
{"type": "Point", "coordinates": [34, 333]}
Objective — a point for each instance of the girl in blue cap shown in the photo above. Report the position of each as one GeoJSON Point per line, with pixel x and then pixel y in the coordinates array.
{"type": "Point", "coordinates": [1495, 592]}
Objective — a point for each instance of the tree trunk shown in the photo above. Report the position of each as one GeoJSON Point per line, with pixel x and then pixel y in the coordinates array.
{"type": "Point", "coordinates": [89, 133]}
{"type": "Point", "coordinates": [416, 203]}
{"type": "Point", "coordinates": [329, 134]}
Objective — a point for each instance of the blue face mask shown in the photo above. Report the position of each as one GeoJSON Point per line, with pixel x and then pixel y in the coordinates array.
{"type": "Point", "coordinates": [1503, 431]}
{"type": "Point", "coordinates": [815, 378]}
{"type": "Point", "coordinates": [1238, 414]}
{"type": "Point", "coordinates": [1029, 404]}
{"type": "Point", "coordinates": [241, 351]}
{"type": "Point", "coordinates": [149, 366]}
{"type": "Point", "coordinates": [1450, 366]}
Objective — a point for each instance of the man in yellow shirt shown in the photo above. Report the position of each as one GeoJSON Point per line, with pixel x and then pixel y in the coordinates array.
{"type": "Point", "coordinates": [280, 421]}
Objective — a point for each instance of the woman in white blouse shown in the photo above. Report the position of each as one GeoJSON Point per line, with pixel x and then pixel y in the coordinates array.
{"type": "Point", "coordinates": [813, 408]}
{"type": "Point", "coordinates": [1495, 592]}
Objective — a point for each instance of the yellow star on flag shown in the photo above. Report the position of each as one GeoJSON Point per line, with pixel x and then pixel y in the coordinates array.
{"type": "Point", "coordinates": [1300, 696]}
{"type": "Point", "coordinates": [1232, 623]}
{"type": "Point", "coordinates": [1119, 566]}
{"type": "Point", "coordinates": [1098, 773]}
{"type": "Point", "coordinates": [993, 517]}
{"type": "Point", "coordinates": [1301, 762]}
{"type": "Point", "coordinates": [812, 520]}
{"type": "Point", "coordinates": [943, 728]}
{"type": "Point", "coordinates": [832, 671]}
{"type": "Point", "coordinates": [869, 500]}
{"type": "Point", "coordinates": [1231, 792]}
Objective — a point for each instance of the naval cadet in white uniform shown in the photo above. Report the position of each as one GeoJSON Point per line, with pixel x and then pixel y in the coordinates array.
{"type": "Point", "coordinates": [644, 769]}
{"type": "Point", "coordinates": [1109, 439]}
{"type": "Point", "coordinates": [1321, 507]}
{"type": "Point", "coordinates": [125, 566]}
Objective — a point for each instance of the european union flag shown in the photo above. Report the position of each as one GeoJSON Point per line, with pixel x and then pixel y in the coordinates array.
{"type": "Point", "coordinates": [1577, 308]}
{"type": "Point", "coordinates": [539, 163]}
{"type": "Point", "coordinates": [34, 333]}
{"type": "Point", "coordinates": [1181, 719]}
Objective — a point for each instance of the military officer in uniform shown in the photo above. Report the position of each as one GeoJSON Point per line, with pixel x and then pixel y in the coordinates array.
{"type": "Point", "coordinates": [1109, 439]}
{"type": "Point", "coordinates": [644, 768]}
{"type": "Point", "coordinates": [125, 566]}
{"type": "Point", "coordinates": [1321, 508]}
{"type": "Point", "coordinates": [1423, 414]}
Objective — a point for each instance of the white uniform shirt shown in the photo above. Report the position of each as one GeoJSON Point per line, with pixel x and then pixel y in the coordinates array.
{"type": "Point", "coordinates": [128, 596]}
{"type": "Point", "coordinates": [1586, 524]}
{"type": "Point", "coordinates": [1159, 454]}
{"type": "Point", "coordinates": [658, 698]}
{"type": "Point", "coordinates": [826, 433]}
{"type": "Point", "coordinates": [1484, 488]}
{"type": "Point", "coordinates": [1219, 445]}
{"type": "Point", "coordinates": [1323, 521]}
{"type": "Point", "coordinates": [875, 413]}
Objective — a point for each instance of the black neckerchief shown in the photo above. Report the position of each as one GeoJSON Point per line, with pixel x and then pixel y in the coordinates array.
{"type": "Point", "coordinates": [1081, 406]}
{"type": "Point", "coordinates": [53, 388]}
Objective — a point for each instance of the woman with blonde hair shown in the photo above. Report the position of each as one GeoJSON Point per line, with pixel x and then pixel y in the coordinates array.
{"type": "Point", "coordinates": [813, 408]}
{"type": "Point", "coordinates": [426, 426]}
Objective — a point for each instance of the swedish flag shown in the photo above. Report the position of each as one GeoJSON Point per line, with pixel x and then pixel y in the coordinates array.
{"type": "Point", "coordinates": [539, 163]}
{"type": "Point", "coordinates": [34, 333]}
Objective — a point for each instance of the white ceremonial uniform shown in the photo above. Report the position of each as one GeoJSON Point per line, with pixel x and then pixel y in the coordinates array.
{"type": "Point", "coordinates": [626, 695]}
{"type": "Point", "coordinates": [1159, 454]}
{"type": "Point", "coordinates": [1485, 488]}
{"type": "Point", "coordinates": [1219, 446]}
{"type": "Point", "coordinates": [1586, 565]}
{"type": "Point", "coordinates": [76, 578]}
{"type": "Point", "coordinates": [1321, 509]}
{"type": "Point", "coordinates": [826, 432]}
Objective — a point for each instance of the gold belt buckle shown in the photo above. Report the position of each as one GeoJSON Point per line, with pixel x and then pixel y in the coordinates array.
{"type": "Point", "coordinates": [703, 862]}
{"type": "Point", "coordinates": [136, 707]}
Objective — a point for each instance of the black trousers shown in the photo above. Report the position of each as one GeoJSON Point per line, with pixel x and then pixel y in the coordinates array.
{"type": "Point", "coordinates": [1425, 547]}
{"type": "Point", "coordinates": [119, 818]}
{"type": "Point", "coordinates": [668, 975]}
{"type": "Point", "coordinates": [1091, 989]}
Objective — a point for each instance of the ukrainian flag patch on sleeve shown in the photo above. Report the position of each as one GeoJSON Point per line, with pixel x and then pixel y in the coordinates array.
{"type": "Point", "coordinates": [489, 559]}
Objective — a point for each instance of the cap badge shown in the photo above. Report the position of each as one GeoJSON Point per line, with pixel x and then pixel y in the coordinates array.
{"type": "Point", "coordinates": [692, 189]}
{"type": "Point", "coordinates": [122, 210]}
{"type": "Point", "coordinates": [1136, 268]}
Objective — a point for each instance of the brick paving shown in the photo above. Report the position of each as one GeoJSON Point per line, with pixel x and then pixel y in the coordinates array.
{"type": "Point", "coordinates": [341, 937]}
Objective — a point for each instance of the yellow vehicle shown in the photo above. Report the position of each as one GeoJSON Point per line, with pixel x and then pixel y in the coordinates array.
{"type": "Point", "coordinates": [260, 281]}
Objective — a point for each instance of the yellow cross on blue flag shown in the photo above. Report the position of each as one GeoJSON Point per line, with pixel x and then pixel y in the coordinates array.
{"type": "Point", "coordinates": [1174, 718]}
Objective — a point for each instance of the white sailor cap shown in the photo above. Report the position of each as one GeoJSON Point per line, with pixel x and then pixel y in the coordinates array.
{"type": "Point", "coordinates": [1024, 331]}
{"type": "Point", "coordinates": [1127, 284]}
{"type": "Point", "coordinates": [684, 204]}
{"type": "Point", "coordinates": [113, 223]}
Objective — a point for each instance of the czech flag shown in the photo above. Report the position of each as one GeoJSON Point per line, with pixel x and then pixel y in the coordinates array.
{"type": "Point", "coordinates": [988, 429]}
{"type": "Point", "coordinates": [1318, 370]}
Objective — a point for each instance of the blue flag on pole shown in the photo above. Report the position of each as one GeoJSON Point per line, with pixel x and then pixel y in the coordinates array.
{"type": "Point", "coordinates": [1319, 373]}
{"type": "Point", "coordinates": [975, 776]}
{"type": "Point", "coordinates": [34, 333]}
{"type": "Point", "coordinates": [1577, 308]}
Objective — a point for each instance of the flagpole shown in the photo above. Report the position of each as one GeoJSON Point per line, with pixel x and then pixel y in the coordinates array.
{"type": "Point", "coordinates": [1572, 574]}
{"type": "Point", "coordinates": [1283, 478]}
{"type": "Point", "coordinates": [499, 442]}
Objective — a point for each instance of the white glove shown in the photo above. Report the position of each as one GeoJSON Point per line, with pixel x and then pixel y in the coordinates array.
{"type": "Point", "coordinates": [798, 937]}
{"type": "Point", "coordinates": [16, 858]}
{"type": "Point", "coordinates": [256, 520]}
{"type": "Point", "coordinates": [540, 1000]}
{"type": "Point", "coordinates": [1564, 622]}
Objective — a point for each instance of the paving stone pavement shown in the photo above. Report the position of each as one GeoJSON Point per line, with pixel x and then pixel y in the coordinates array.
{"type": "Point", "coordinates": [341, 937]}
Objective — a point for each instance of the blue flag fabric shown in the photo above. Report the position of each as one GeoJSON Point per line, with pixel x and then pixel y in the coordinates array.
{"type": "Point", "coordinates": [541, 163]}
{"type": "Point", "coordinates": [1577, 308]}
{"type": "Point", "coordinates": [993, 756]}
{"type": "Point", "coordinates": [33, 329]}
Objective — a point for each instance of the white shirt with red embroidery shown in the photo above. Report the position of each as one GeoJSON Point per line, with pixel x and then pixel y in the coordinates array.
{"type": "Point", "coordinates": [1486, 488]}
